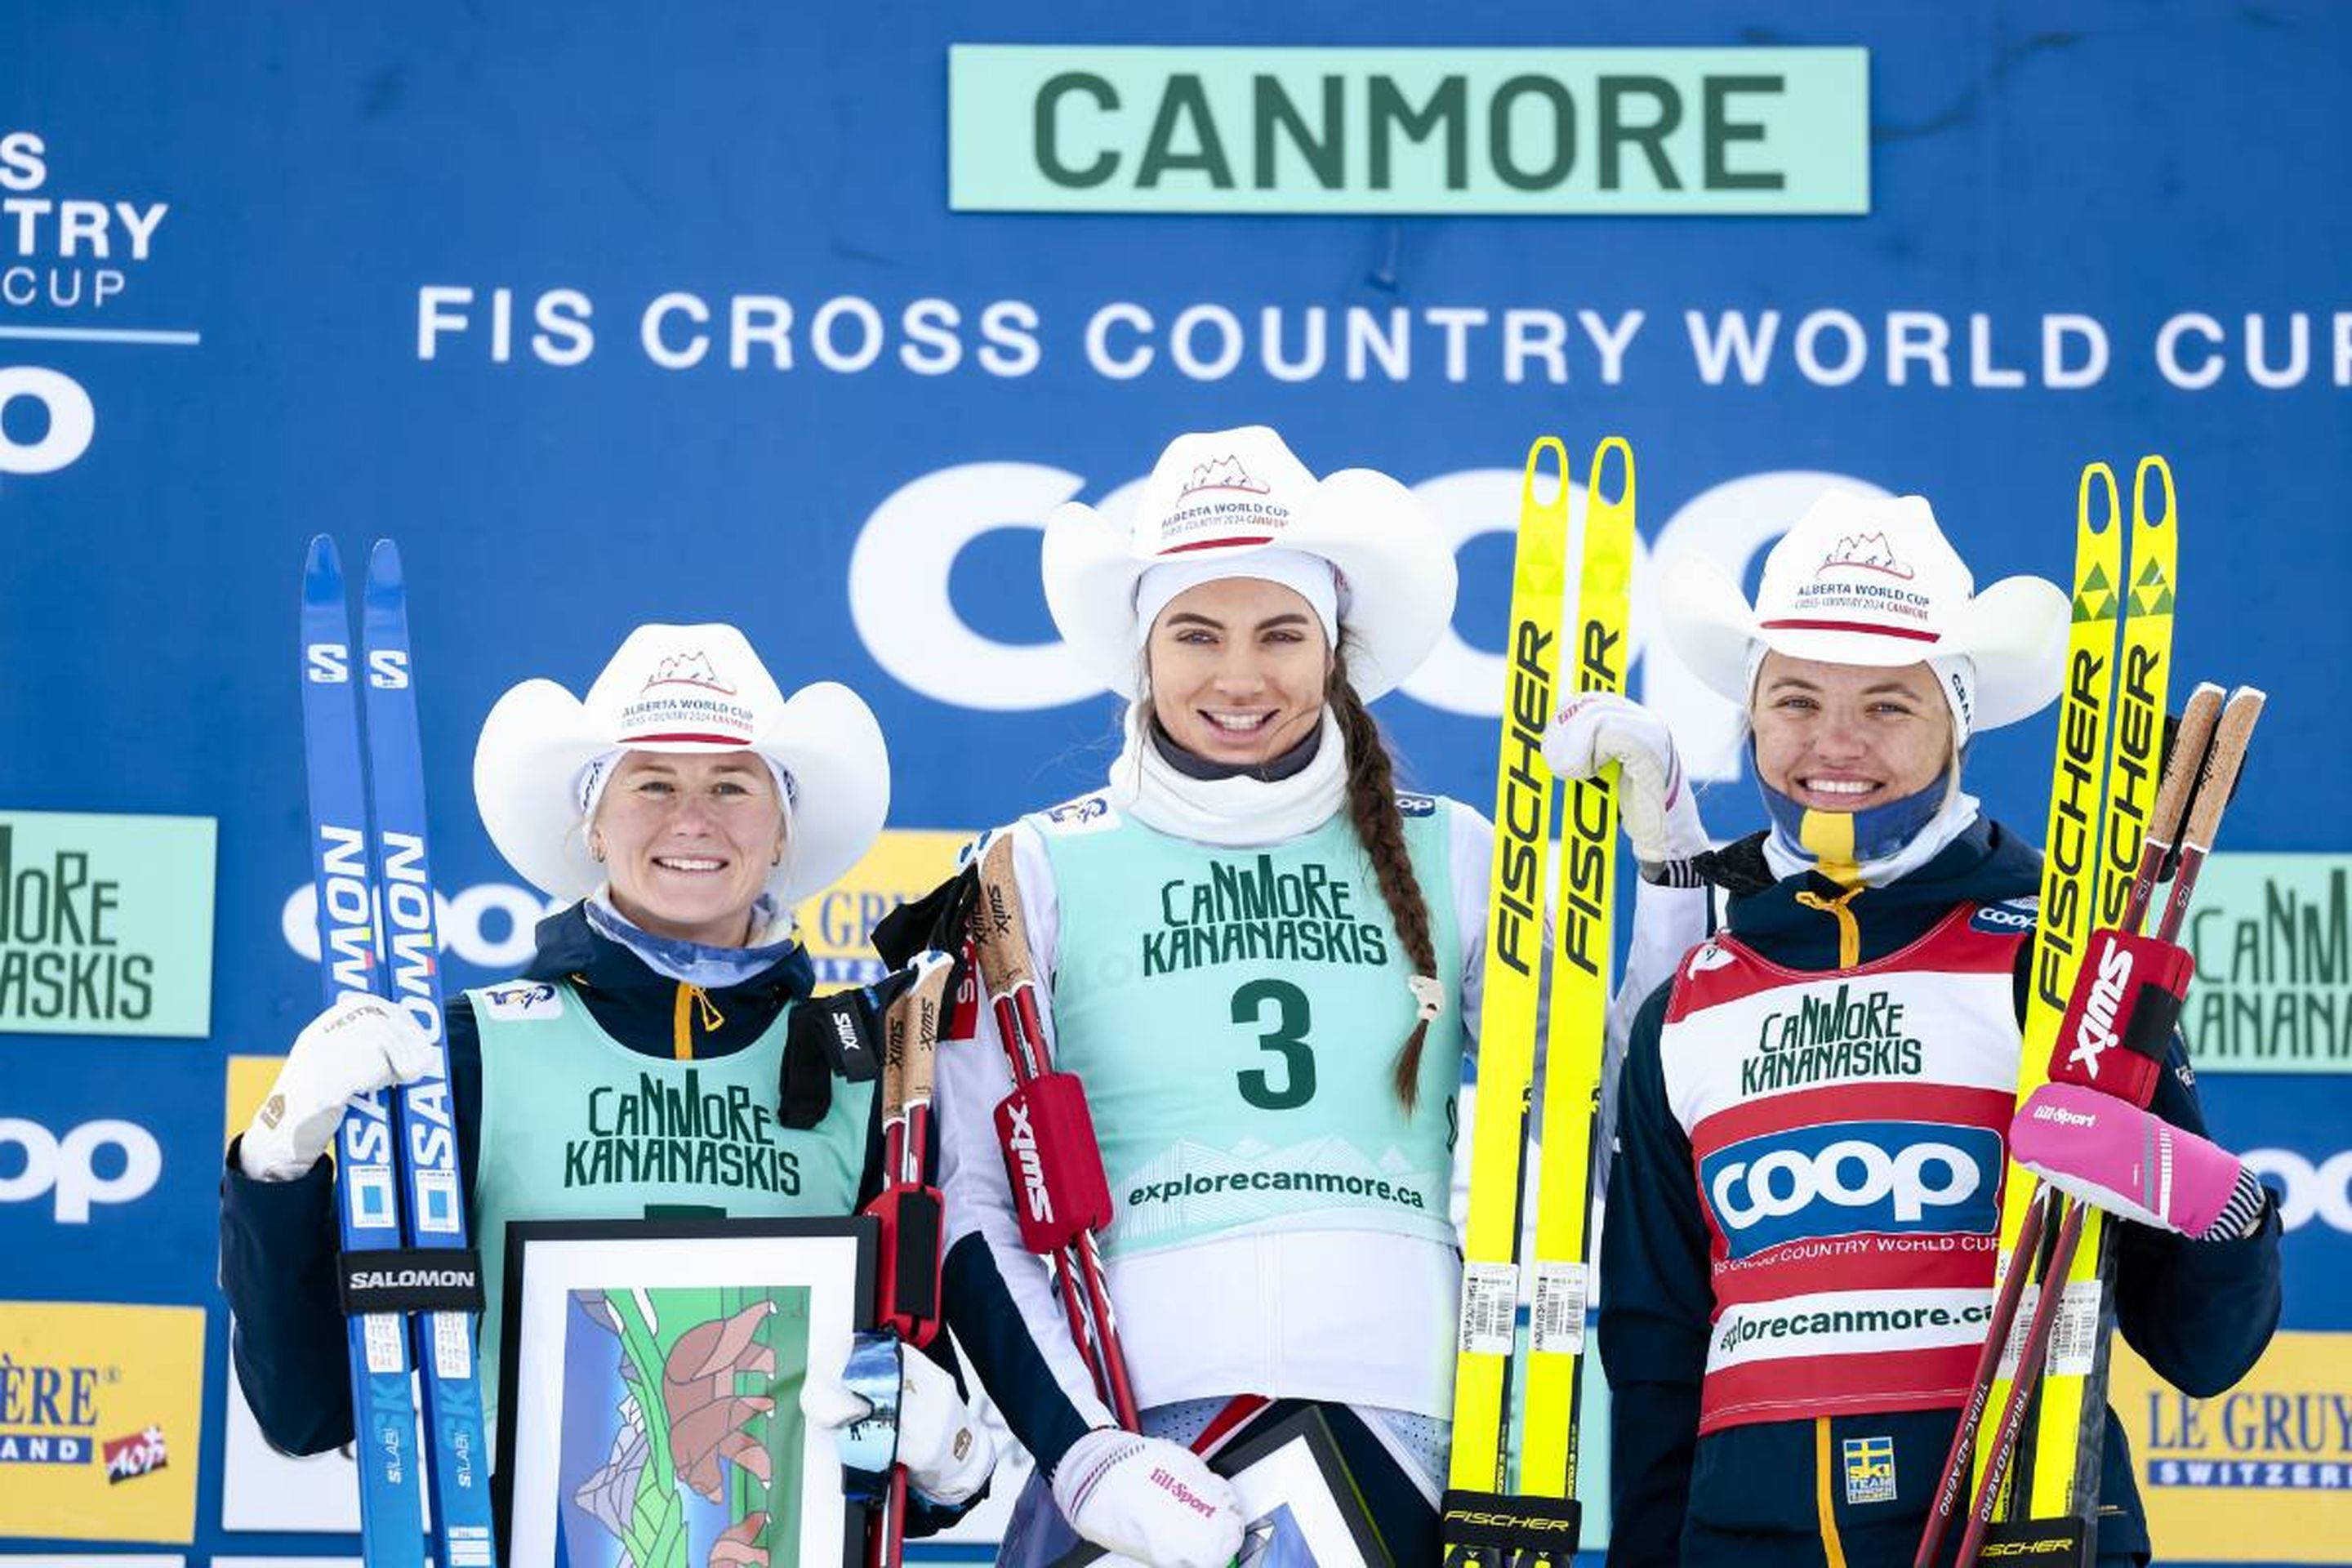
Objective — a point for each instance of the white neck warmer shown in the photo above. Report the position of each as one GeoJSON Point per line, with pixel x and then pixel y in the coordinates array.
{"type": "Point", "coordinates": [1951, 820]}
{"type": "Point", "coordinates": [1229, 812]}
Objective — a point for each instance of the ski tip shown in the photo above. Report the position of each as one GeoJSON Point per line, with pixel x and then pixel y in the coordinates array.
{"type": "Point", "coordinates": [384, 564]}
{"type": "Point", "coordinates": [2155, 468]}
{"type": "Point", "coordinates": [322, 568]}
{"type": "Point", "coordinates": [2098, 479]}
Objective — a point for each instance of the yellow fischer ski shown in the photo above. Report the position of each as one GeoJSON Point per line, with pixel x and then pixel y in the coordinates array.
{"type": "Point", "coordinates": [1478, 1475]}
{"type": "Point", "coordinates": [1582, 942]}
{"type": "Point", "coordinates": [2069, 1433]}
{"type": "Point", "coordinates": [2103, 786]}
{"type": "Point", "coordinates": [1491, 1513]}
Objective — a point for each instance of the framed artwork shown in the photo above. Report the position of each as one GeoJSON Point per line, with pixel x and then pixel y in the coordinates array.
{"type": "Point", "coordinates": [1303, 1507]}
{"type": "Point", "coordinates": [650, 1391]}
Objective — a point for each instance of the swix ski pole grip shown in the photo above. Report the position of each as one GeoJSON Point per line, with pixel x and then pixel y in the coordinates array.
{"type": "Point", "coordinates": [1001, 939]}
{"type": "Point", "coordinates": [2184, 761]}
{"type": "Point", "coordinates": [2231, 736]}
{"type": "Point", "coordinates": [2119, 1022]}
{"type": "Point", "coordinates": [911, 1210]}
{"type": "Point", "coordinates": [1054, 1162]}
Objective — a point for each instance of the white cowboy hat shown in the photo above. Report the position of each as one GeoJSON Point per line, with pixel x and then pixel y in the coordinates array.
{"type": "Point", "coordinates": [1224, 495]}
{"type": "Point", "coordinates": [1871, 580]}
{"type": "Point", "coordinates": [693, 690]}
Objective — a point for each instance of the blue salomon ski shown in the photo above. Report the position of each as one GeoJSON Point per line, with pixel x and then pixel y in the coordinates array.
{"type": "Point", "coordinates": [376, 936]}
{"type": "Point", "coordinates": [434, 1217]}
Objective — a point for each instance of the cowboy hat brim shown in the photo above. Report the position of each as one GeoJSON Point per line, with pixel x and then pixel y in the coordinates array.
{"type": "Point", "coordinates": [539, 736]}
{"type": "Point", "coordinates": [2015, 633]}
{"type": "Point", "coordinates": [1397, 577]}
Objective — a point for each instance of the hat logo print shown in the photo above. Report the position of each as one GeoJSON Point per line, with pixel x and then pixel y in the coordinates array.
{"type": "Point", "coordinates": [1869, 551]}
{"type": "Point", "coordinates": [1225, 473]}
{"type": "Point", "coordinates": [687, 669]}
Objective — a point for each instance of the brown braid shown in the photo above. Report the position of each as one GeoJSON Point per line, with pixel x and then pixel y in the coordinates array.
{"type": "Point", "coordinates": [1380, 827]}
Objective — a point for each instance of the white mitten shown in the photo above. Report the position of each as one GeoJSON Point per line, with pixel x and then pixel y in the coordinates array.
{"type": "Point", "coordinates": [1594, 728]}
{"type": "Point", "coordinates": [358, 1046]}
{"type": "Point", "coordinates": [948, 1456]}
{"type": "Point", "coordinates": [1149, 1500]}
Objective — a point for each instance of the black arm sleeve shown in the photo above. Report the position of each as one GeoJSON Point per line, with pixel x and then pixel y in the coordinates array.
{"type": "Point", "coordinates": [1655, 1303]}
{"type": "Point", "coordinates": [279, 1244]}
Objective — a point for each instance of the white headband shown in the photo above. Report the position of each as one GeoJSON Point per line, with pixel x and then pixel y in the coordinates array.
{"type": "Point", "coordinates": [1956, 677]}
{"type": "Point", "coordinates": [588, 785]}
{"type": "Point", "coordinates": [1311, 577]}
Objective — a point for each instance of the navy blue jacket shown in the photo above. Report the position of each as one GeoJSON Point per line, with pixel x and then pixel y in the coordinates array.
{"type": "Point", "coordinates": [2199, 1312]}
{"type": "Point", "coordinates": [279, 1240]}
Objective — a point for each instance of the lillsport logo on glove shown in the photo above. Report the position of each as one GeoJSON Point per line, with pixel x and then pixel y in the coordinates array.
{"type": "Point", "coordinates": [1184, 1494]}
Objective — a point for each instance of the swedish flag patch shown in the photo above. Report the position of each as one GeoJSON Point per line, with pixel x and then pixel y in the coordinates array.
{"type": "Point", "coordinates": [1869, 1469]}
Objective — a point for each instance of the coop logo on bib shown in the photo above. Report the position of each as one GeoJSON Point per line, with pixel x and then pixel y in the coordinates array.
{"type": "Point", "coordinates": [1847, 1177]}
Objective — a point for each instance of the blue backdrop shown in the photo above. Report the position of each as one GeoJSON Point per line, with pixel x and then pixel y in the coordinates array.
{"type": "Point", "coordinates": [355, 197]}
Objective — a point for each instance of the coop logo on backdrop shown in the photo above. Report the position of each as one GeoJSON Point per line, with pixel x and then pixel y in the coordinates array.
{"type": "Point", "coordinates": [106, 924]}
{"type": "Point", "coordinates": [75, 1170]}
{"type": "Point", "coordinates": [487, 925]}
{"type": "Point", "coordinates": [907, 547]}
{"type": "Point", "coordinates": [2311, 1191]}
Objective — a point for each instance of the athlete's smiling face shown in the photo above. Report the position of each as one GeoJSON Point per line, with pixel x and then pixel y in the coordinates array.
{"type": "Point", "coordinates": [688, 841]}
{"type": "Point", "coordinates": [1846, 737]}
{"type": "Point", "coordinates": [1238, 666]}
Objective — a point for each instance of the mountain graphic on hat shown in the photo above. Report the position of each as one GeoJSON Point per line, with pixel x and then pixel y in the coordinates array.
{"type": "Point", "coordinates": [1869, 550]}
{"type": "Point", "coordinates": [1225, 473]}
{"type": "Point", "coordinates": [688, 669]}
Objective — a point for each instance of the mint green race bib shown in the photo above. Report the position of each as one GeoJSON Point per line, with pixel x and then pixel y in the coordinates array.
{"type": "Point", "coordinates": [575, 1125]}
{"type": "Point", "coordinates": [1236, 1016]}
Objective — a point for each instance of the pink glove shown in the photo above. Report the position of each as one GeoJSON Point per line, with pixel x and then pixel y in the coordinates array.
{"type": "Point", "coordinates": [2116, 1157]}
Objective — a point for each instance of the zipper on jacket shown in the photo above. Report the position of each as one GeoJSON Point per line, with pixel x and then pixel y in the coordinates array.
{"type": "Point", "coordinates": [694, 1006]}
{"type": "Point", "coordinates": [1849, 929]}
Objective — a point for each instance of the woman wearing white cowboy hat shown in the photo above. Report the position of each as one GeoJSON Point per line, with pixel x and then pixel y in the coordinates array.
{"type": "Point", "coordinates": [685, 807]}
{"type": "Point", "coordinates": [1262, 964]}
{"type": "Point", "coordinates": [1860, 1013]}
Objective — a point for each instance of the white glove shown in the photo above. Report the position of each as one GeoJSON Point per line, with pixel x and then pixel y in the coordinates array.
{"type": "Point", "coordinates": [358, 1046]}
{"type": "Point", "coordinates": [1149, 1500]}
{"type": "Point", "coordinates": [1594, 728]}
{"type": "Point", "coordinates": [948, 1456]}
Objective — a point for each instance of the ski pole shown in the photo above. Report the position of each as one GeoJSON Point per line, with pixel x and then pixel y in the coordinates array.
{"type": "Point", "coordinates": [2030, 1362]}
{"type": "Point", "coordinates": [1052, 1159]}
{"type": "Point", "coordinates": [2199, 780]}
{"type": "Point", "coordinates": [2180, 772]}
{"type": "Point", "coordinates": [910, 1207]}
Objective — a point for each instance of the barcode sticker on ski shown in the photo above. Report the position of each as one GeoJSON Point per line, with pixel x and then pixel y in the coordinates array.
{"type": "Point", "coordinates": [2014, 1351]}
{"type": "Point", "coordinates": [2074, 1337]}
{"type": "Point", "coordinates": [453, 1347]}
{"type": "Point", "coordinates": [1490, 1307]}
{"type": "Point", "coordinates": [1559, 1318]}
{"type": "Point", "coordinates": [384, 1349]}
